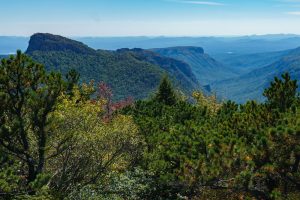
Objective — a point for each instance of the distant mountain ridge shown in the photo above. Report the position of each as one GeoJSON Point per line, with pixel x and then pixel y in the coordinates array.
{"type": "Point", "coordinates": [205, 68]}
{"type": "Point", "coordinates": [135, 72]}
{"type": "Point", "coordinates": [243, 63]}
{"type": "Point", "coordinates": [213, 45]}
{"type": "Point", "coordinates": [170, 64]}
{"type": "Point", "coordinates": [251, 85]}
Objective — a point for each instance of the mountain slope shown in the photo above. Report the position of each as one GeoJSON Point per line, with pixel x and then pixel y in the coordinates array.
{"type": "Point", "coordinates": [251, 85]}
{"type": "Point", "coordinates": [133, 73]}
{"type": "Point", "coordinates": [179, 69]}
{"type": "Point", "coordinates": [205, 68]}
{"type": "Point", "coordinates": [244, 63]}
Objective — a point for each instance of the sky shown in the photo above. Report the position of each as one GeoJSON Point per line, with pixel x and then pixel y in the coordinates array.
{"type": "Point", "coordinates": [149, 17]}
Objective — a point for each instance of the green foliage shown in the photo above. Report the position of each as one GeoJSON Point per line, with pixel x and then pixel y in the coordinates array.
{"type": "Point", "coordinates": [10, 180]}
{"type": "Point", "coordinates": [282, 93]}
{"type": "Point", "coordinates": [122, 72]}
{"type": "Point", "coordinates": [171, 139]}
{"type": "Point", "coordinates": [166, 93]}
{"type": "Point", "coordinates": [134, 185]}
{"type": "Point", "coordinates": [94, 147]}
{"type": "Point", "coordinates": [73, 79]}
{"type": "Point", "coordinates": [28, 95]}
{"type": "Point", "coordinates": [56, 142]}
{"type": "Point", "coordinates": [210, 103]}
{"type": "Point", "coordinates": [250, 149]}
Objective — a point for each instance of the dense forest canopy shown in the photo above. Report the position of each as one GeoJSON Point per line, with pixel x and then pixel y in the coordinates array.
{"type": "Point", "coordinates": [61, 139]}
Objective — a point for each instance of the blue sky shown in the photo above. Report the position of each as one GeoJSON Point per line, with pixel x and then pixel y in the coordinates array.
{"type": "Point", "coordinates": [149, 17]}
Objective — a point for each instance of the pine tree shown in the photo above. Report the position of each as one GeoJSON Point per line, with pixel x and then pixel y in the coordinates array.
{"type": "Point", "coordinates": [28, 95]}
{"type": "Point", "coordinates": [282, 93]}
{"type": "Point", "coordinates": [166, 93]}
{"type": "Point", "coordinates": [72, 78]}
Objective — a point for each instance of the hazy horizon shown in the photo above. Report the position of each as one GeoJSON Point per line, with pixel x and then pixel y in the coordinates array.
{"type": "Point", "coordinates": [158, 36]}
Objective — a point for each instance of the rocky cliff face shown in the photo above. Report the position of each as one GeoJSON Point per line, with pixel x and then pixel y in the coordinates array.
{"type": "Point", "coordinates": [49, 42]}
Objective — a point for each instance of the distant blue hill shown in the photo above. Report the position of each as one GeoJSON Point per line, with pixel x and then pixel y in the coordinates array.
{"type": "Point", "coordinates": [212, 45]}
{"type": "Point", "coordinates": [205, 68]}
{"type": "Point", "coordinates": [251, 85]}
{"type": "Point", "coordinates": [243, 63]}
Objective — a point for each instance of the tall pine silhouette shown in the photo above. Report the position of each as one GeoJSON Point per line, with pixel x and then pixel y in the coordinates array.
{"type": "Point", "coordinates": [166, 93]}
{"type": "Point", "coordinates": [282, 93]}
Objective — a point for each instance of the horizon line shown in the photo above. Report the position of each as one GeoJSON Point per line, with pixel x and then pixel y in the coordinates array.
{"type": "Point", "coordinates": [151, 36]}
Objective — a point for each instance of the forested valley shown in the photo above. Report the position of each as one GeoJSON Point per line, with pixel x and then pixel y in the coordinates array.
{"type": "Point", "coordinates": [64, 139]}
